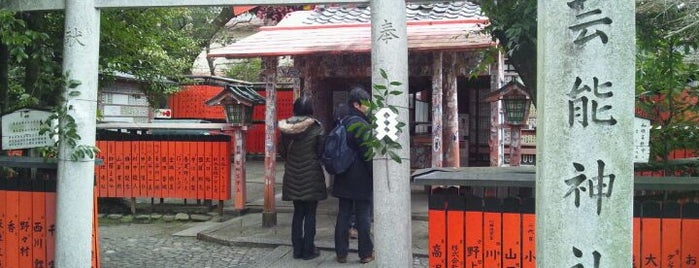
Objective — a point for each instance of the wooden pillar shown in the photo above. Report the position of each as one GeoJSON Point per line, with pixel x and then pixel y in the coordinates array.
{"type": "Point", "coordinates": [308, 75]}
{"type": "Point", "coordinates": [269, 65]}
{"type": "Point", "coordinates": [515, 145]}
{"type": "Point", "coordinates": [496, 142]}
{"type": "Point", "coordinates": [296, 78]}
{"type": "Point", "coordinates": [238, 140]}
{"type": "Point", "coordinates": [437, 95]}
{"type": "Point", "coordinates": [451, 113]}
{"type": "Point", "coordinates": [496, 139]}
{"type": "Point", "coordinates": [317, 89]}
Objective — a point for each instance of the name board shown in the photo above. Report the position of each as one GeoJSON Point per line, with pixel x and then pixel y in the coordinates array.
{"type": "Point", "coordinates": [641, 140]}
{"type": "Point", "coordinates": [20, 130]}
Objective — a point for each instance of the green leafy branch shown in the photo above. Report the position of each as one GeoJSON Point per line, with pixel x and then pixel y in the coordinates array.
{"type": "Point", "coordinates": [383, 146]}
{"type": "Point", "coordinates": [61, 127]}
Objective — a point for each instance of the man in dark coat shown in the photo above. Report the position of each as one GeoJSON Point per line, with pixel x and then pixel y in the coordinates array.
{"type": "Point", "coordinates": [355, 186]}
{"type": "Point", "coordinates": [304, 180]}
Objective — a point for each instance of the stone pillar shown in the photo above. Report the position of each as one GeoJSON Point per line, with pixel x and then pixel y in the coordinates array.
{"type": "Point", "coordinates": [269, 66]}
{"type": "Point", "coordinates": [392, 219]}
{"type": "Point", "coordinates": [437, 151]}
{"type": "Point", "coordinates": [451, 113]}
{"type": "Point", "coordinates": [74, 204]}
{"type": "Point", "coordinates": [584, 184]}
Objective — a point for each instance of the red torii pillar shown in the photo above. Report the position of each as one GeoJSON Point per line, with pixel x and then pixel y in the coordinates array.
{"type": "Point", "coordinates": [269, 65]}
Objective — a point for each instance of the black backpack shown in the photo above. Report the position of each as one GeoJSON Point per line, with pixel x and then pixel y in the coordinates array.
{"type": "Point", "coordinates": [337, 156]}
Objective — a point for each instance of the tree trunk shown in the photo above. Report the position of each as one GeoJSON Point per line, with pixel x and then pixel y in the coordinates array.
{"type": "Point", "coordinates": [32, 65]}
{"type": "Point", "coordinates": [524, 61]}
{"type": "Point", "coordinates": [219, 22]}
{"type": "Point", "coordinates": [210, 61]}
{"type": "Point", "coordinates": [4, 76]}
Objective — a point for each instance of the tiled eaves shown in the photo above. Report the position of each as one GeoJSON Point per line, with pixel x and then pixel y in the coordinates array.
{"type": "Point", "coordinates": [455, 10]}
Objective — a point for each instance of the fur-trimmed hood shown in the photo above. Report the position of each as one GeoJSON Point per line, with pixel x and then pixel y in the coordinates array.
{"type": "Point", "coordinates": [296, 124]}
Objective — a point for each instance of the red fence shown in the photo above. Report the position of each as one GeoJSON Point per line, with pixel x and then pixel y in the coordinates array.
{"type": "Point", "coordinates": [189, 104]}
{"type": "Point", "coordinates": [682, 153]}
{"type": "Point", "coordinates": [677, 154]}
{"type": "Point", "coordinates": [164, 166]}
{"type": "Point", "coordinates": [255, 139]}
{"type": "Point", "coordinates": [474, 232]}
{"type": "Point", "coordinates": [27, 223]}
{"type": "Point", "coordinates": [665, 235]}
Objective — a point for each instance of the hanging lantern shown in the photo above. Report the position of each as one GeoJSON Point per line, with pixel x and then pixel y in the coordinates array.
{"type": "Point", "coordinates": [516, 109]}
{"type": "Point", "coordinates": [516, 102]}
{"type": "Point", "coordinates": [238, 102]}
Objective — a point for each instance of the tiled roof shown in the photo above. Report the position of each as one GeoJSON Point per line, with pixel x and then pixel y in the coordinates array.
{"type": "Point", "coordinates": [243, 94]}
{"type": "Point", "coordinates": [451, 26]}
{"type": "Point", "coordinates": [457, 10]}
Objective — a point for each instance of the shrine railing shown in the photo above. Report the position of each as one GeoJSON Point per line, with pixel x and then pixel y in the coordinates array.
{"type": "Point", "coordinates": [162, 166]}
{"type": "Point", "coordinates": [28, 213]}
{"type": "Point", "coordinates": [472, 224]}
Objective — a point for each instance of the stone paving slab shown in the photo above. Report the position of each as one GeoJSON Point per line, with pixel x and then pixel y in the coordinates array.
{"type": "Point", "coordinates": [247, 230]}
{"type": "Point", "coordinates": [194, 230]}
{"type": "Point", "coordinates": [282, 257]}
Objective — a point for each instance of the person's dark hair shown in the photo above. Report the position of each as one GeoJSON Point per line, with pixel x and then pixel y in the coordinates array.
{"type": "Point", "coordinates": [303, 106]}
{"type": "Point", "coordinates": [356, 95]}
{"type": "Point", "coordinates": [341, 110]}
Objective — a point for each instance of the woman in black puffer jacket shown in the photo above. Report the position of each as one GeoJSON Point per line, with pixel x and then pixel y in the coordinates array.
{"type": "Point", "coordinates": [304, 180]}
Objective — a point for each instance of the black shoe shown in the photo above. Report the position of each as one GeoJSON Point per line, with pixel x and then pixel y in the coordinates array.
{"type": "Point", "coordinates": [341, 259]}
{"type": "Point", "coordinates": [298, 254]}
{"type": "Point", "coordinates": [313, 255]}
{"type": "Point", "coordinates": [367, 259]}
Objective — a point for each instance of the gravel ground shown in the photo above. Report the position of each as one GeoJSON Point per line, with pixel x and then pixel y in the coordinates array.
{"type": "Point", "coordinates": [152, 245]}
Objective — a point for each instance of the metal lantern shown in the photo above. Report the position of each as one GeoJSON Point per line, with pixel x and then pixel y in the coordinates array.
{"type": "Point", "coordinates": [516, 108]}
{"type": "Point", "coordinates": [238, 113]}
{"type": "Point", "coordinates": [237, 102]}
{"type": "Point", "coordinates": [516, 102]}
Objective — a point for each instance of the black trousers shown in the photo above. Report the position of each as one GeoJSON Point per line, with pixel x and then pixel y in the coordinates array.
{"type": "Point", "coordinates": [362, 211]}
{"type": "Point", "coordinates": [303, 228]}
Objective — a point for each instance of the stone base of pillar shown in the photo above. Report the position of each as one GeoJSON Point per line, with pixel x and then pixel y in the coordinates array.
{"type": "Point", "coordinates": [239, 212]}
{"type": "Point", "coordinates": [269, 219]}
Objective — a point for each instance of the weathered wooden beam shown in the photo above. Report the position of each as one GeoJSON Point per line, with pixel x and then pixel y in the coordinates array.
{"type": "Point", "coordinates": [38, 5]}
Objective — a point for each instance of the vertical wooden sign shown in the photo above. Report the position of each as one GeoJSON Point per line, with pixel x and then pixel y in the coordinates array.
{"type": "Point", "coordinates": [474, 232]}
{"type": "Point", "coordinates": [492, 233]}
{"type": "Point", "coordinates": [437, 228]}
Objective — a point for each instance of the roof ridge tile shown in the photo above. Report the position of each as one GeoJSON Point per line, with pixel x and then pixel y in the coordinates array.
{"type": "Point", "coordinates": [414, 11]}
